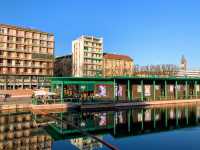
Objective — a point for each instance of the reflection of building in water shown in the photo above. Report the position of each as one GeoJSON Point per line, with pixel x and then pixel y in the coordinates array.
{"type": "Point", "coordinates": [85, 143]}
{"type": "Point", "coordinates": [148, 115]}
{"type": "Point", "coordinates": [19, 131]}
{"type": "Point", "coordinates": [122, 123]}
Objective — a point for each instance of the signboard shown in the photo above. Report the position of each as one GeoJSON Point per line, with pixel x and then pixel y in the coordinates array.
{"type": "Point", "coordinates": [139, 88]}
{"type": "Point", "coordinates": [147, 115]}
{"type": "Point", "coordinates": [157, 87]}
{"type": "Point", "coordinates": [197, 88]}
{"type": "Point", "coordinates": [101, 90]}
{"type": "Point", "coordinates": [83, 87]}
{"type": "Point", "coordinates": [119, 90]}
{"type": "Point", "coordinates": [178, 87]}
{"type": "Point", "coordinates": [147, 89]}
{"type": "Point", "coordinates": [171, 88]}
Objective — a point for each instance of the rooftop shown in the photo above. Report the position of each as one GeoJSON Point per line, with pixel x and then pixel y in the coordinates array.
{"type": "Point", "coordinates": [65, 56]}
{"type": "Point", "coordinates": [117, 56]}
{"type": "Point", "coordinates": [23, 28]}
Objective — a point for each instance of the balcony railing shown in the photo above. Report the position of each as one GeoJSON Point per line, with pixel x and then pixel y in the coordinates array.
{"type": "Point", "coordinates": [19, 42]}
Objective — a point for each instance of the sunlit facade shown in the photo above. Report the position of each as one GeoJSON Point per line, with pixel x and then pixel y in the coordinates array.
{"type": "Point", "coordinates": [26, 56]}
{"type": "Point", "coordinates": [87, 52]}
{"type": "Point", "coordinates": [117, 65]}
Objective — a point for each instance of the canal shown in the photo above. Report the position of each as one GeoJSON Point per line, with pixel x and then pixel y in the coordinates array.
{"type": "Point", "coordinates": [172, 127]}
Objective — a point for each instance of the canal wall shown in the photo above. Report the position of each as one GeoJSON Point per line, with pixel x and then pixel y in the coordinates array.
{"type": "Point", "coordinates": [67, 106]}
{"type": "Point", "coordinates": [139, 104]}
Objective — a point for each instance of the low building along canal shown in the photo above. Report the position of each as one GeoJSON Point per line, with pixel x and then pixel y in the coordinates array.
{"type": "Point", "coordinates": [148, 88]}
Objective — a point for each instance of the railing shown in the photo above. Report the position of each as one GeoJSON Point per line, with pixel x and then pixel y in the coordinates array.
{"type": "Point", "coordinates": [95, 100]}
{"type": "Point", "coordinates": [38, 101]}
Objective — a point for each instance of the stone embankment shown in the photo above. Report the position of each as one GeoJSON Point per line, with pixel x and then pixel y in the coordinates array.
{"type": "Point", "coordinates": [26, 104]}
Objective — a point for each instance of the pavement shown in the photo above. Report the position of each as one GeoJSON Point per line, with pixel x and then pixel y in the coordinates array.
{"type": "Point", "coordinates": [17, 100]}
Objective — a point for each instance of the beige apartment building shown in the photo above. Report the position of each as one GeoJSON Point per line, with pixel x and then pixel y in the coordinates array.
{"type": "Point", "coordinates": [26, 57]}
{"type": "Point", "coordinates": [87, 56]}
{"type": "Point", "coordinates": [117, 65]}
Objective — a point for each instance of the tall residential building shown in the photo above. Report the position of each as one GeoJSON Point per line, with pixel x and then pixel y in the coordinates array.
{"type": "Point", "coordinates": [117, 65]}
{"type": "Point", "coordinates": [87, 56]}
{"type": "Point", "coordinates": [63, 66]}
{"type": "Point", "coordinates": [26, 57]}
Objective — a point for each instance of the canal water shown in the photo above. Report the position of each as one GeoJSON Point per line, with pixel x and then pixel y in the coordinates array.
{"type": "Point", "coordinates": [166, 128]}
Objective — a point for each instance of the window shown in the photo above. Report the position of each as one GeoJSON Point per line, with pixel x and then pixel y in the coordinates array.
{"type": "Point", "coordinates": [85, 48]}
{"type": "Point", "coordinates": [11, 38]}
{"type": "Point", "coordinates": [26, 63]}
{"type": "Point", "coordinates": [35, 42]}
{"type": "Point", "coordinates": [2, 30]}
{"type": "Point", "coordinates": [1, 44]}
{"type": "Point", "coordinates": [19, 39]}
{"type": "Point", "coordinates": [43, 43]}
{"type": "Point", "coordinates": [9, 62]}
{"type": "Point", "coordinates": [85, 54]}
{"type": "Point", "coordinates": [20, 33]}
{"type": "Point", "coordinates": [43, 36]}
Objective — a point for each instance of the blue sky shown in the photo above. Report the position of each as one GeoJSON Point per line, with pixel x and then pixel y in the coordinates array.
{"type": "Point", "coordinates": [150, 31]}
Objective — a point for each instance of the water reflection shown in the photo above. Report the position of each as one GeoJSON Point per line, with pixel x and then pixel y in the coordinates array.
{"type": "Point", "coordinates": [122, 123]}
{"type": "Point", "coordinates": [86, 143]}
{"type": "Point", "coordinates": [19, 131]}
{"type": "Point", "coordinates": [131, 121]}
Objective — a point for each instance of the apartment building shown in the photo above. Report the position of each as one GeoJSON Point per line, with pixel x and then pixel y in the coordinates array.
{"type": "Point", "coordinates": [117, 65]}
{"type": "Point", "coordinates": [26, 57]}
{"type": "Point", "coordinates": [87, 56]}
{"type": "Point", "coordinates": [63, 66]}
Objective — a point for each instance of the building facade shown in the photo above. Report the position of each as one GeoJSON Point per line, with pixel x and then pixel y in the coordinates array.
{"type": "Point", "coordinates": [183, 65]}
{"type": "Point", "coordinates": [26, 57]}
{"type": "Point", "coordinates": [117, 65]}
{"type": "Point", "coordinates": [63, 66]}
{"type": "Point", "coordinates": [87, 56]}
{"type": "Point", "coordinates": [184, 71]}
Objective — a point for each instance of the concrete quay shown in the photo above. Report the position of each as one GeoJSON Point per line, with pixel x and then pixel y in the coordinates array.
{"type": "Point", "coordinates": [26, 104]}
{"type": "Point", "coordinates": [140, 104]}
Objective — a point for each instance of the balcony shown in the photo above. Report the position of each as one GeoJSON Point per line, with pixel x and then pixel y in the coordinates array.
{"type": "Point", "coordinates": [50, 39]}
{"type": "Point", "coordinates": [43, 38]}
{"type": "Point", "coordinates": [11, 41]}
{"type": "Point", "coordinates": [36, 44]}
{"type": "Point", "coordinates": [29, 36]}
{"type": "Point", "coordinates": [35, 66]}
{"type": "Point", "coordinates": [12, 33]}
{"type": "Point", "coordinates": [27, 43]}
{"type": "Point", "coordinates": [19, 42]}
{"type": "Point", "coordinates": [3, 40]}
{"type": "Point", "coordinates": [11, 49]}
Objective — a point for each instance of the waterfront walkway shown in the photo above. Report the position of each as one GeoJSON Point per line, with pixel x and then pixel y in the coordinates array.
{"type": "Point", "coordinates": [26, 103]}
{"type": "Point", "coordinates": [16, 100]}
